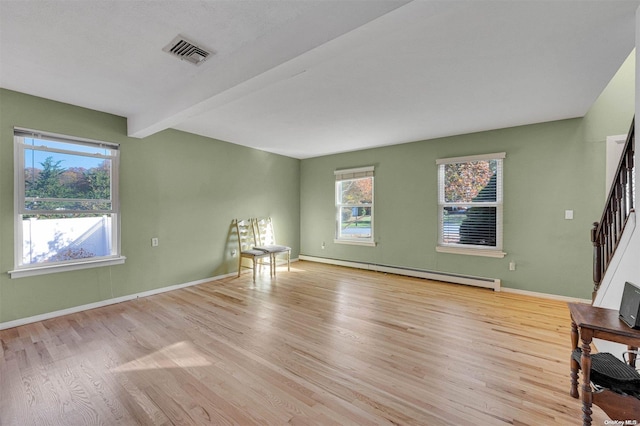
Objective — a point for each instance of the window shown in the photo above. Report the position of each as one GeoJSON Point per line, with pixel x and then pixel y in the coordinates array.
{"type": "Point", "coordinates": [66, 203]}
{"type": "Point", "coordinates": [354, 206]}
{"type": "Point", "coordinates": [470, 205]}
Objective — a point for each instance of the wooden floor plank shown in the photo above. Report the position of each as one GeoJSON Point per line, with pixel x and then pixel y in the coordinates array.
{"type": "Point", "coordinates": [318, 345]}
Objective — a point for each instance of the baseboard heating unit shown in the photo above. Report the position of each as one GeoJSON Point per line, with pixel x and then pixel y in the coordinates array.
{"type": "Point", "coordinates": [492, 283]}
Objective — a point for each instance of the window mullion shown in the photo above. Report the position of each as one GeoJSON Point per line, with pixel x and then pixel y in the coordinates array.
{"type": "Point", "coordinates": [64, 151]}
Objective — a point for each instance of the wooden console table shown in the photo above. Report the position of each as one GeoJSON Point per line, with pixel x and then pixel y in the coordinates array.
{"type": "Point", "coordinates": [590, 322]}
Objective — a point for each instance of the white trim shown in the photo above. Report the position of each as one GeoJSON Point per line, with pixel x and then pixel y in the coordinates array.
{"type": "Point", "coordinates": [57, 137]}
{"type": "Point", "coordinates": [546, 295]}
{"type": "Point", "coordinates": [66, 267]}
{"type": "Point", "coordinates": [18, 197]}
{"type": "Point", "coordinates": [356, 242]}
{"type": "Point", "coordinates": [113, 301]}
{"type": "Point", "coordinates": [468, 158]}
{"type": "Point", "coordinates": [68, 151]}
{"type": "Point", "coordinates": [491, 283]}
{"type": "Point", "coordinates": [471, 252]}
{"type": "Point", "coordinates": [100, 304]}
{"type": "Point", "coordinates": [354, 170]}
{"type": "Point", "coordinates": [358, 265]}
{"type": "Point", "coordinates": [337, 262]}
{"type": "Point", "coordinates": [440, 277]}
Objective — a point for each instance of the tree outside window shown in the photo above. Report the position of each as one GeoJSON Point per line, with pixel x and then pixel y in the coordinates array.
{"type": "Point", "coordinates": [67, 209]}
{"type": "Point", "coordinates": [470, 202]}
{"type": "Point", "coordinates": [354, 205]}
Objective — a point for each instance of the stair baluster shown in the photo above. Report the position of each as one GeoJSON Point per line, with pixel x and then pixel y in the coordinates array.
{"type": "Point", "coordinates": [607, 233]}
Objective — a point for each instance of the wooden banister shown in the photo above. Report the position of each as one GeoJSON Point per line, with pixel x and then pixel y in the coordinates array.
{"type": "Point", "coordinates": [607, 233]}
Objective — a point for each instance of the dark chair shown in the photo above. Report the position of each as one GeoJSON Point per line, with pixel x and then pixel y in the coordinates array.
{"type": "Point", "coordinates": [615, 384]}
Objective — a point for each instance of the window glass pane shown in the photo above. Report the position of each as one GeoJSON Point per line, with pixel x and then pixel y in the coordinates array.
{"type": "Point", "coordinates": [469, 226]}
{"type": "Point", "coordinates": [473, 181]}
{"type": "Point", "coordinates": [66, 210]}
{"type": "Point", "coordinates": [356, 191]}
{"type": "Point", "coordinates": [52, 175]}
{"type": "Point", "coordinates": [355, 222]}
{"type": "Point", "coordinates": [59, 238]}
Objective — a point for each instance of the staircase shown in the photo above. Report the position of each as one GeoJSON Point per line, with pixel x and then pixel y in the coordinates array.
{"type": "Point", "coordinates": [607, 233]}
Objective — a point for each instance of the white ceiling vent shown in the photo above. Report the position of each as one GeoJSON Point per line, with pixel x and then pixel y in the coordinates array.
{"type": "Point", "coordinates": [187, 50]}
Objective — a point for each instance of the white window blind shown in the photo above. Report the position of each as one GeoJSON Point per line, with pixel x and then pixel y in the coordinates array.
{"type": "Point", "coordinates": [360, 172]}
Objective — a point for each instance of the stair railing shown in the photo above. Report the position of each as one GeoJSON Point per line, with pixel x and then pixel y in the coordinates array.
{"type": "Point", "coordinates": [607, 233]}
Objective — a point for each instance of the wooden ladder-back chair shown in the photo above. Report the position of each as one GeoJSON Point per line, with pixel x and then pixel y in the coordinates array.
{"type": "Point", "coordinates": [266, 241]}
{"type": "Point", "coordinates": [247, 250]}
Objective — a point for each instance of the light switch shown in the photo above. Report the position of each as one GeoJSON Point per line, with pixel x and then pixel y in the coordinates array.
{"type": "Point", "coordinates": [568, 214]}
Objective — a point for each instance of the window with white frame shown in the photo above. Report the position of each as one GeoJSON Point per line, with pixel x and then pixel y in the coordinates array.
{"type": "Point", "coordinates": [470, 204]}
{"type": "Point", "coordinates": [66, 203]}
{"type": "Point", "coordinates": [354, 206]}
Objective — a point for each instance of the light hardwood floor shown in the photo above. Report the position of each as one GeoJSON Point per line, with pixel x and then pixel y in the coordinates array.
{"type": "Point", "coordinates": [318, 345]}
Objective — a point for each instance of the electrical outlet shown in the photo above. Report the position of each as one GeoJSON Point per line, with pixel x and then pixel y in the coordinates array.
{"type": "Point", "coordinates": [322, 246]}
{"type": "Point", "coordinates": [512, 266]}
{"type": "Point", "coordinates": [154, 242]}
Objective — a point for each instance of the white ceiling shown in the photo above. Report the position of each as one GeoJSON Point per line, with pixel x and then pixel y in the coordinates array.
{"type": "Point", "coordinates": [305, 78]}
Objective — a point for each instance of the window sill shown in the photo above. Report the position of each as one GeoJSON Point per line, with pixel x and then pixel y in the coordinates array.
{"type": "Point", "coordinates": [356, 243]}
{"type": "Point", "coordinates": [50, 269]}
{"type": "Point", "coordinates": [472, 252]}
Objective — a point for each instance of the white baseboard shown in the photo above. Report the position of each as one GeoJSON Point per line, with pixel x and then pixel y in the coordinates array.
{"type": "Point", "coordinates": [546, 295]}
{"type": "Point", "coordinates": [73, 310]}
{"type": "Point", "coordinates": [492, 283]}
{"type": "Point", "coordinates": [101, 303]}
{"type": "Point", "coordinates": [442, 277]}
{"type": "Point", "coordinates": [358, 265]}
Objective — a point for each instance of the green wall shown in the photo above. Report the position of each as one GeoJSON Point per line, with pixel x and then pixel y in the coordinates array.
{"type": "Point", "coordinates": [186, 189]}
{"type": "Point", "coordinates": [549, 168]}
{"type": "Point", "coordinates": [182, 188]}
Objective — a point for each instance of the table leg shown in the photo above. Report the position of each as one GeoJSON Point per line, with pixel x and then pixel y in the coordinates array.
{"type": "Point", "coordinates": [574, 364]}
{"type": "Point", "coordinates": [632, 355]}
{"type": "Point", "coordinates": [587, 396]}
